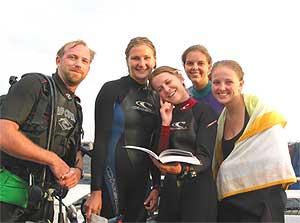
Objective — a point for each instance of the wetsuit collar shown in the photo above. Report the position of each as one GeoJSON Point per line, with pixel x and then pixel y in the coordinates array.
{"type": "Point", "coordinates": [188, 104]}
{"type": "Point", "coordinates": [203, 92]}
{"type": "Point", "coordinates": [135, 84]}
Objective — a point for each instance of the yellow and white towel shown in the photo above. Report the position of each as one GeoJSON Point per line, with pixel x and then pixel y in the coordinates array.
{"type": "Point", "coordinates": [260, 157]}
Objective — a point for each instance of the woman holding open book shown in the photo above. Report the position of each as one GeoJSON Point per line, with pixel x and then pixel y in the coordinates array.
{"type": "Point", "coordinates": [189, 192]}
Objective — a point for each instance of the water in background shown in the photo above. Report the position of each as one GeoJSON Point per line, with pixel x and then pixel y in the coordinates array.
{"type": "Point", "coordinates": [86, 170]}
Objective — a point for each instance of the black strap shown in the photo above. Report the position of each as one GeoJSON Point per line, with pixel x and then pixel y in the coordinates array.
{"type": "Point", "coordinates": [42, 102]}
{"type": "Point", "coordinates": [52, 124]}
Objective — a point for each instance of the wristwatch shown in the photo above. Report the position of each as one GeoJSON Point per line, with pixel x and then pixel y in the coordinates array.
{"type": "Point", "coordinates": [187, 170]}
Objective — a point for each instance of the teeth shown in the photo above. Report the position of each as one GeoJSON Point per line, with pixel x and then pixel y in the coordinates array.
{"type": "Point", "coordinates": [170, 95]}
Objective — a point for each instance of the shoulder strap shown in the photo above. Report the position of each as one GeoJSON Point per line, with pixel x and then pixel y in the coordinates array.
{"type": "Point", "coordinates": [52, 125]}
{"type": "Point", "coordinates": [79, 115]}
{"type": "Point", "coordinates": [43, 102]}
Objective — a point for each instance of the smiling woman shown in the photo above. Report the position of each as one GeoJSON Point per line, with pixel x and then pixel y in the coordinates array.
{"type": "Point", "coordinates": [186, 125]}
{"type": "Point", "coordinates": [126, 114]}
{"type": "Point", "coordinates": [247, 127]}
{"type": "Point", "coordinates": [197, 64]}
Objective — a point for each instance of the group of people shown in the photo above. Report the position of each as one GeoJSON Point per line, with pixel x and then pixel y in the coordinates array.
{"type": "Point", "coordinates": [239, 141]}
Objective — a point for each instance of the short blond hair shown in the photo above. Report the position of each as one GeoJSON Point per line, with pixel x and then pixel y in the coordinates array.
{"type": "Point", "coordinates": [137, 41]}
{"type": "Point", "coordinates": [73, 44]}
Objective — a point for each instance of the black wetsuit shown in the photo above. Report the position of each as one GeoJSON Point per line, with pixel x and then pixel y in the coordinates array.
{"type": "Point", "coordinates": [126, 113]}
{"type": "Point", "coordinates": [263, 205]}
{"type": "Point", "coordinates": [19, 106]}
{"type": "Point", "coordinates": [190, 197]}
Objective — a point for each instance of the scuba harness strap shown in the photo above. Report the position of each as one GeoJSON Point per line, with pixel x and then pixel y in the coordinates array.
{"type": "Point", "coordinates": [52, 124]}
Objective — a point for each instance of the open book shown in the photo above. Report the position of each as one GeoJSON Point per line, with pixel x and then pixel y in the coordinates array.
{"type": "Point", "coordinates": [170, 155]}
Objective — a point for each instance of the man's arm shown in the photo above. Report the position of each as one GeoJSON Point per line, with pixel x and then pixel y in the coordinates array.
{"type": "Point", "coordinates": [13, 142]}
{"type": "Point", "coordinates": [72, 178]}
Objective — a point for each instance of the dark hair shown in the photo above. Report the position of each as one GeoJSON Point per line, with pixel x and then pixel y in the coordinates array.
{"type": "Point", "coordinates": [200, 48]}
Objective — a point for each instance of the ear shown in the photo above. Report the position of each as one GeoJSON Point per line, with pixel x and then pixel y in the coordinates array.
{"type": "Point", "coordinates": [154, 65]}
{"type": "Point", "coordinates": [209, 68]}
{"type": "Point", "coordinates": [241, 84]}
{"type": "Point", "coordinates": [182, 80]}
{"type": "Point", "coordinates": [58, 60]}
{"type": "Point", "coordinates": [209, 72]}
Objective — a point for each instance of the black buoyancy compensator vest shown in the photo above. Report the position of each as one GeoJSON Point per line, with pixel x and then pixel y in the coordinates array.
{"type": "Point", "coordinates": [41, 127]}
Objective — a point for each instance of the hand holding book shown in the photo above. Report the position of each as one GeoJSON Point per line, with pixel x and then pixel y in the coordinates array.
{"type": "Point", "coordinates": [170, 168]}
{"type": "Point", "coordinates": [170, 155]}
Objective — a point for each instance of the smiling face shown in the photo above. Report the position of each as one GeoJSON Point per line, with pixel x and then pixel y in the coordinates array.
{"type": "Point", "coordinates": [73, 65]}
{"type": "Point", "coordinates": [141, 61]}
{"type": "Point", "coordinates": [197, 68]}
{"type": "Point", "coordinates": [226, 84]}
{"type": "Point", "coordinates": [170, 88]}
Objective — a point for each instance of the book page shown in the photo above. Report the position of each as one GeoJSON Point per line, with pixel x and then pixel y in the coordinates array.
{"type": "Point", "coordinates": [143, 149]}
{"type": "Point", "coordinates": [176, 152]}
{"type": "Point", "coordinates": [170, 155]}
{"type": "Point", "coordinates": [184, 159]}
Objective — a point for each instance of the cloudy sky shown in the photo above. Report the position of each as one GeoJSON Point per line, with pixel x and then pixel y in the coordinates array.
{"type": "Point", "coordinates": [262, 35]}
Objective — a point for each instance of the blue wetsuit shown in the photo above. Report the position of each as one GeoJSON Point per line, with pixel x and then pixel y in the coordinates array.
{"type": "Point", "coordinates": [205, 95]}
{"type": "Point", "coordinates": [126, 113]}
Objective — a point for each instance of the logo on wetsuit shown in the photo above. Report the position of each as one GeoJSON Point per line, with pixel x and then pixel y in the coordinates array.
{"type": "Point", "coordinates": [68, 118]}
{"type": "Point", "coordinates": [143, 106]}
{"type": "Point", "coordinates": [178, 126]}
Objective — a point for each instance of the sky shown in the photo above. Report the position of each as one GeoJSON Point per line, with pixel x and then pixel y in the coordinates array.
{"type": "Point", "coordinates": [262, 35]}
